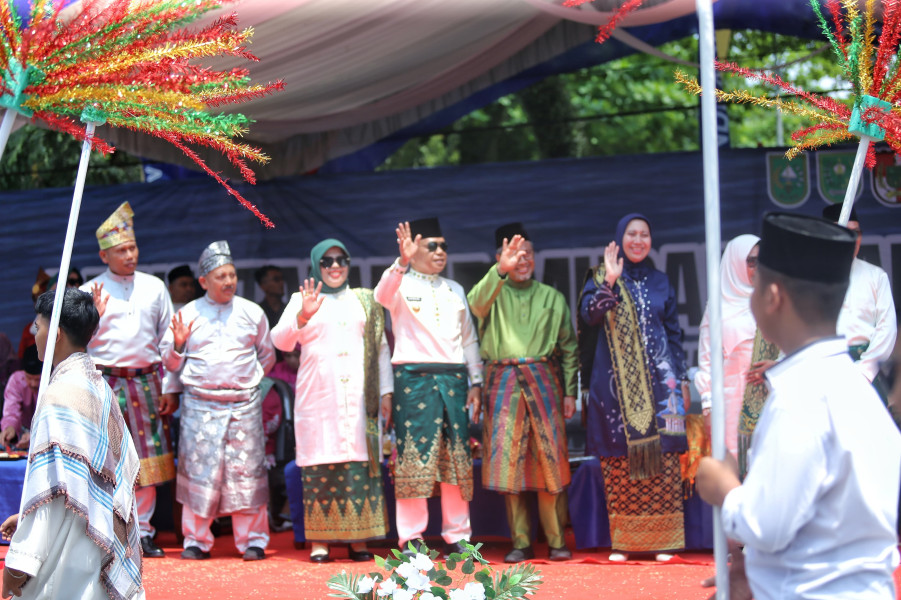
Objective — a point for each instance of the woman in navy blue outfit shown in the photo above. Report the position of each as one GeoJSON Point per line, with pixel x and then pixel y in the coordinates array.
{"type": "Point", "coordinates": [631, 347]}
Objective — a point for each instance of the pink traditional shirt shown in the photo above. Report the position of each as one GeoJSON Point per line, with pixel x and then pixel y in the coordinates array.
{"type": "Point", "coordinates": [430, 319]}
{"type": "Point", "coordinates": [18, 403]}
{"type": "Point", "coordinates": [329, 403]}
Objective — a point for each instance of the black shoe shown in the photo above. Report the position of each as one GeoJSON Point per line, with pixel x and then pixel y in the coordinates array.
{"type": "Point", "coordinates": [254, 553]}
{"type": "Point", "coordinates": [361, 556]}
{"type": "Point", "coordinates": [418, 543]}
{"type": "Point", "coordinates": [194, 553]}
{"type": "Point", "coordinates": [150, 549]}
{"type": "Point", "coordinates": [561, 553]}
{"type": "Point", "coordinates": [454, 548]}
{"type": "Point", "coordinates": [320, 558]}
{"type": "Point", "coordinates": [517, 555]}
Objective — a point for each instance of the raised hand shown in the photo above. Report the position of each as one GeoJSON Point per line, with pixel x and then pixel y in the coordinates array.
{"type": "Point", "coordinates": [312, 300]}
{"type": "Point", "coordinates": [613, 264]}
{"type": "Point", "coordinates": [180, 332]}
{"type": "Point", "coordinates": [407, 245]}
{"type": "Point", "coordinates": [510, 254]}
{"type": "Point", "coordinates": [99, 299]}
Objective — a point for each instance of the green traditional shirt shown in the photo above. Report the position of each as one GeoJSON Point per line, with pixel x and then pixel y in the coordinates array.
{"type": "Point", "coordinates": [525, 320]}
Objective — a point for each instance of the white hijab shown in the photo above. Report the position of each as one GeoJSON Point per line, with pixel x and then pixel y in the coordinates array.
{"type": "Point", "coordinates": [738, 322]}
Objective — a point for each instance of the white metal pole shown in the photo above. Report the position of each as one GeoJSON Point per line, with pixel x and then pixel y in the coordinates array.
{"type": "Point", "coordinates": [714, 294]}
{"type": "Point", "coordinates": [6, 128]}
{"type": "Point", "coordinates": [67, 256]}
{"type": "Point", "coordinates": [853, 183]}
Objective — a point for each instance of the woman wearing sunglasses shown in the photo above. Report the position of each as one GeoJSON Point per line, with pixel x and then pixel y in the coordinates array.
{"type": "Point", "coordinates": [345, 371]}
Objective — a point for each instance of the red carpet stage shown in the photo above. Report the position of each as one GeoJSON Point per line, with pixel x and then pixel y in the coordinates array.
{"type": "Point", "coordinates": [286, 574]}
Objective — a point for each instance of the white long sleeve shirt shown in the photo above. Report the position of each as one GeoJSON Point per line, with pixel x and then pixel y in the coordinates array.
{"type": "Point", "coordinates": [430, 319]}
{"type": "Point", "coordinates": [868, 316]}
{"type": "Point", "coordinates": [137, 316]}
{"type": "Point", "coordinates": [818, 509]}
{"type": "Point", "coordinates": [329, 400]}
{"type": "Point", "coordinates": [228, 348]}
{"type": "Point", "coordinates": [52, 546]}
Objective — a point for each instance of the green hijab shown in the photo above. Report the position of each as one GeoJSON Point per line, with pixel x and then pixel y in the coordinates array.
{"type": "Point", "coordinates": [316, 255]}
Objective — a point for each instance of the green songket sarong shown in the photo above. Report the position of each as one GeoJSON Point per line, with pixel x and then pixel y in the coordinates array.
{"type": "Point", "coordinates": [432, 428]}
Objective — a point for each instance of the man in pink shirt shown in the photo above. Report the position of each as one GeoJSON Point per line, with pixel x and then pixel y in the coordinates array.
{"type": "Point", "coordinates": [19, 400]}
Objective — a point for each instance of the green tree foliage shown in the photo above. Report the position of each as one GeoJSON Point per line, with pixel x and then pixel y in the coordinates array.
{"type": "Point", "coordinates": [627, 106]}
{"type": "Point", "coordinates": [39, 158]}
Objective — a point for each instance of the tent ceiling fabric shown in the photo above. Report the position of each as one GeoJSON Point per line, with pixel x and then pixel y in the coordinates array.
{"type": "Point", "coordinates": [356, 72]}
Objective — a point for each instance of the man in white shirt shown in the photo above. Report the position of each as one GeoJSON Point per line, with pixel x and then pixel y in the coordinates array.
{"type": "Point", "coordinates": [217, 351]}
{"type": "Point", "coordinates": [817, 511]}
{"type": "Point", "coordinates": [135, 311]}
{"type": "Point", "coordinates": [867, 320]}
{"type": "Point", "coordinates": [77, 535]}
{"type": "Point", "coordinates": [435, 351]}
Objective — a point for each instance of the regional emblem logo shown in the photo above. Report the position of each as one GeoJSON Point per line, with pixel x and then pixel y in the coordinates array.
{"type": "Point", "coordinates": [886, 179]}
{"type": "Point", "coordinates": [788, 181]}
{"type": "Point", "coordinates": [833, 174]}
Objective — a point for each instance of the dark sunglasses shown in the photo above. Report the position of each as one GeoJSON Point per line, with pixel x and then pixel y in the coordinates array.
{"type": "Point", "coordinates": [752, 261]}
{"type": "Point", "coordinates": [75, 281]}
{"type": "Point", "coordinates": [327, 261]}
{"type": "Point", "coordinates": [433, 246]}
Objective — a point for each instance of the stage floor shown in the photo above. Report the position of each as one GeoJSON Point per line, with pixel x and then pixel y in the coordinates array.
{"type": "Point", "coordinates": [287, 574]}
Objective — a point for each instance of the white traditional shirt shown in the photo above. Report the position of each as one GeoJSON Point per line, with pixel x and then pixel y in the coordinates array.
{"type": "Point", "coordinates": [430, 320]}
{"type": "Point", "coordinates": [228, 348]}
{"type": "Point", "coordinates": [868, 316]}
{"type": "Point", "coordinates": [329, 402]}
{"type": "Point", "coordinates": [137, 315]}
{"type": "Point", "coordinates": [818, 509]}
{"type": "Point", "coordinates": [51, 545]}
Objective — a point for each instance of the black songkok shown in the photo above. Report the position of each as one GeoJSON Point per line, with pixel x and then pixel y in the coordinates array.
{"type": "Point", "coordinates": [806, 248]}
{"type": "Point", "coordinates": [427, 228]}
{"type": "Point", "coordinates": [508, 231]}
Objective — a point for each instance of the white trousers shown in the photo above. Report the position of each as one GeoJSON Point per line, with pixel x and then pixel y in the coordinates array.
{"type": "Point", "coordinates": [413, 516]}
{"type": "Point", "coordinates": [251, 528]}
{"type": "Point", "coordinates": [145, 497]}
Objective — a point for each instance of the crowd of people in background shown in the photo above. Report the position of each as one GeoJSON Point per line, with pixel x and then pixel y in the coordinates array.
{"type": "Point", "coordinates": [422, 357]}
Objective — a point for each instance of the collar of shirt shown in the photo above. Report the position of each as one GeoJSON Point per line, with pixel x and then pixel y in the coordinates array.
{"type": "Point", "coordinates": [821, 348]}
{"type": "Point", "coordinates": [123, 279]}
{"type": "Point", "coordinates": [423, 276]}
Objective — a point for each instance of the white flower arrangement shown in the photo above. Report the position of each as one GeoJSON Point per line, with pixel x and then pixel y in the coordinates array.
{"type": "Point", "coordinates": [419, 577]}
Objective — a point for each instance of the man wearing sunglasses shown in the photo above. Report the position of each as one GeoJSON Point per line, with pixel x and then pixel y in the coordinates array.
{"type": "Point", "coordinates": [436, 357]}
{"type": "Point", "coordinates": [867, 319]}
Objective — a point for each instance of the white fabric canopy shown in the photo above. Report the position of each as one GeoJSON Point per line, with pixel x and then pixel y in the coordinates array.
{"type": "Point", "coordinates": [356, 72]}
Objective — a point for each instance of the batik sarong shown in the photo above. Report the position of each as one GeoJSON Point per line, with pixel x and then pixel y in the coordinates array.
{"type": "Point", "coordinates": [753, 401]}
{"type": "Point", "coordinates": [432, 428]}
{"type": "Point", "coordinates": [221, 453]}
{"type": "Point", "coordinates": [138, 392]}
{"type": "Point", "coordinates": [524, 435]}
{"type": "Point", "coordinates": [646, 514]}
{"type": "Point", "coordinates": [343, 503]}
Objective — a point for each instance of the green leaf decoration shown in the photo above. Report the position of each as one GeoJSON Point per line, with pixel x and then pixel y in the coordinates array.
{"type": "Point", "coordinates": [379, 562]}
{"type": "Point", "coordinates": [451, 563]}
{"type": "Point", "coordinates": [440, 592]}
{"type": "Point", "coordinates": [468, 567]}
{"type": "Point", "coordinates": [483, 577]}
{"type": "Point", "coordinates": [345, 584]}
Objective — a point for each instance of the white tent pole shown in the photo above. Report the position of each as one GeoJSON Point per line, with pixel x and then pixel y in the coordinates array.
{"type": "Point", "coordinates": [67, 255]}
{"type": "Point", "coordinates": [6, 128]}
{"type": "Point", "coordinates": [714, 294]}
{"type": "Point", "coordinates": [853, 183]}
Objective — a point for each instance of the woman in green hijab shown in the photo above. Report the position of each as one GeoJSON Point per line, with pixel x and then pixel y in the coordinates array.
{"type": "Point", "coordinates": [345, 371]}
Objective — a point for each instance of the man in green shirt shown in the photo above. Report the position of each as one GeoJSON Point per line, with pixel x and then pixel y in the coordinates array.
{"type": "Point", "coordinates": [531, 365]}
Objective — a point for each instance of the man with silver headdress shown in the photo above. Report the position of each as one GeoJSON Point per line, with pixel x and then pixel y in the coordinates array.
{"type": "Point", "coordinates": [135, 311]}
{"type": "Point", "coordinates": [217, 350]}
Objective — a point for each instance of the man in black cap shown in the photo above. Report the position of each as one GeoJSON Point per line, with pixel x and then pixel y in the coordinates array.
{"type": "Point", "coordinates": [532, 365]}
{"type": "Point", "coordinates": [436, 358]}
{"type": "Point", "coordinates": [867, 319]}
{"type": "Point", "coordinates": [818, 509]}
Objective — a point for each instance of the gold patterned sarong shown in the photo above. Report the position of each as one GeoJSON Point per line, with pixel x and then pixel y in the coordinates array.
{"type": "Point", "coordinates": [343, 503]}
